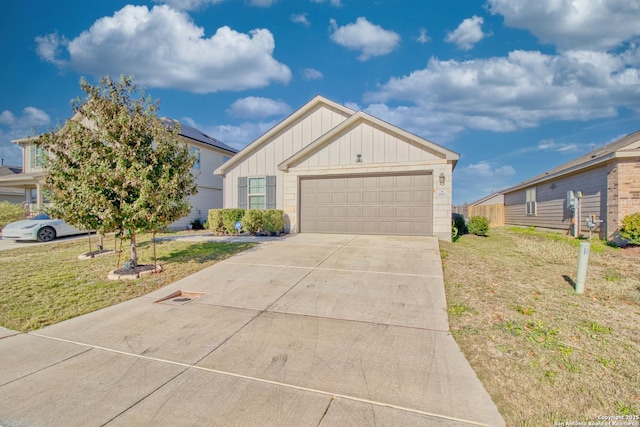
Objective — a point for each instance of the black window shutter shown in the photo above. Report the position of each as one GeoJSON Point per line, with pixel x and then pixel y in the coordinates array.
{"type": "Point", "coordinates": [271, 192]}
{"type": "Point", "coordinates": [242, 192]}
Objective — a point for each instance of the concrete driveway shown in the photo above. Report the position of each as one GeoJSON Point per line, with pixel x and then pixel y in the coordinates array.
{"type": "Point", "coordinates": [310, 330]}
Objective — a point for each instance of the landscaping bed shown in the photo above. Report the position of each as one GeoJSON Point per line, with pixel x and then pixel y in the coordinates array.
{"type": "Point", "coordinates": [544, 353]}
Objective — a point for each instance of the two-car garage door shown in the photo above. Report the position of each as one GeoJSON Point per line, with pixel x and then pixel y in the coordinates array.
{"type": "Point", "coordinates": [380, 204]}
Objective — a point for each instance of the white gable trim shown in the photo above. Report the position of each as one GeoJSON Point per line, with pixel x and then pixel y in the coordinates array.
{"type": "Point", "coordinates": [361, 116]}
{"type": "Point", "coordinates": [268, 136]}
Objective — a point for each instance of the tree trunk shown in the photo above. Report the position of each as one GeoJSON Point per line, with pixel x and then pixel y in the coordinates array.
{"type": "Point", "coordinates": [100, 242]}
{"type": "Point", "coordinates": [134, 252]}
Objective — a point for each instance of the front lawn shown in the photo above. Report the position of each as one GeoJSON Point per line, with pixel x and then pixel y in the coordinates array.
{"type": "Point", "coordinates": [45, 284]}
{"type": "Point", "coordinates": [544, 353]}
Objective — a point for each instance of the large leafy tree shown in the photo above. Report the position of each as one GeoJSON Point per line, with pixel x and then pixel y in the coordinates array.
{"type": "Point", "coordinates": [115, 165]}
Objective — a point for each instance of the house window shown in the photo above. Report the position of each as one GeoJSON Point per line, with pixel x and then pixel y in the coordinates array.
{"type": "Point", "coordinates": [36, 156]}
{"type": "Point", "coordinates": [531, 202]}
{"type": "Point", "coordinates": [257, 192]}
{"type": "Point", "coordinates": [195, 152]}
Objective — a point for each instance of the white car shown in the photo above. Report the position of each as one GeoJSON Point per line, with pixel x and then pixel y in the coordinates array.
{"type": "Point", "coordinates": [40, 227]}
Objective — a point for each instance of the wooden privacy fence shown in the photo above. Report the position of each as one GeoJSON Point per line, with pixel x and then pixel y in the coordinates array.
{"type": "Point", "coordinates": [495, 213]}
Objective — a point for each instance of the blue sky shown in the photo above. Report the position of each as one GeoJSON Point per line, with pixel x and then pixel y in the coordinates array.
{"type": "Point", "coordinates": [515, 86]}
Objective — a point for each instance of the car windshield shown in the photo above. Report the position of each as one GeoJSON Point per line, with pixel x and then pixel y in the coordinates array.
{"type": "Point", "coordinates": [40, 217]}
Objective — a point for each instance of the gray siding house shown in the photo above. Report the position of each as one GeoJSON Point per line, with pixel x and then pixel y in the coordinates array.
{"type": "Point", "coordinates": [11, 194]}
{"type": "Point", "coordinates": [335, 170]}
{"type": "Point", "coordinates": [608, 179]}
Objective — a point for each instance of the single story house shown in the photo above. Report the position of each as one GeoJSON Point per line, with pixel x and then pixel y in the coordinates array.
{"type": "Point", "coordinates": [11, 194]}
{"type": "Point", "coordinates": [334, 170]}
{"type": "Point", "coordinates": [606, 179]}
{"type": "Point", "coordinates": [210, 153]}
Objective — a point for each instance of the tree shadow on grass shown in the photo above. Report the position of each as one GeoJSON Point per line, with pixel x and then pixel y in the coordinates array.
{"type": "Point", "coordinates": [205, 252]}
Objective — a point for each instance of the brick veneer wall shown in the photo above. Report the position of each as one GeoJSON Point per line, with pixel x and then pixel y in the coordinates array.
{"type": "Point", "coordinates": [623, 192]}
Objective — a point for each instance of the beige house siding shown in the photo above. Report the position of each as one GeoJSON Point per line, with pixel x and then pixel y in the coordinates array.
{"type": "Point", "coordinates": [265, 159]}
{"type": "Point", "coordinates": [552, 211]}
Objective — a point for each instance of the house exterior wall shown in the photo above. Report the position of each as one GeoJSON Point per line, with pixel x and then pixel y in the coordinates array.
{"type": "Point", "coordinates": [12, 197]}
{"type": "Point", "coordinates": [552, 211]}
{"type": "Point", "coordinates": [210, 186]}
{"type": "Point", "coordinates": [264, 161]}
{"type": "Point", "coordinates": [623, 192]}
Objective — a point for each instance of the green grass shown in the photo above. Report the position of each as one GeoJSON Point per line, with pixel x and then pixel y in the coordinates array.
{"type": "Point", "coordinates": [45, 284]}
{"type": "Point", "coordinates": [544, 353]}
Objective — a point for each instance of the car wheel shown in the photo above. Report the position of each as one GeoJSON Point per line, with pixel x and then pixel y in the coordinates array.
{"type": "Point", "coordinates": [46, 234]}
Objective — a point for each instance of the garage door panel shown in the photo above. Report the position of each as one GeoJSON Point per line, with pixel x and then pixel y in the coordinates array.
{"type": "Point", "coordinates": [386, 196]}
{"type": "Point", "coordinates": [383, 204]}
{"type": "Point", "coordinates": [354, 197]}
{"type": "Point", "coordinates": [404, 196]}
{"type": "Point", "coordinates": [420, 196]}
{"type": "Point", "coordinates": [370, 197]}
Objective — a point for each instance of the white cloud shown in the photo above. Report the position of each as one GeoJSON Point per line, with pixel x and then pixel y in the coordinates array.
{"type": "Point", "coordinates": [468, 33]}
{"type": "Point", "coordinates": [423, 37]}
{"type": "Point", "coordinates": [300, 18]}
{"type": "Point", "coordinates": [188, 4]}
{"type": "Point", "coordinates": [486, 169]}
{"type": "Point", "coordinates": [334, 3]}
{"type": "Point", "coordinates": [13, 126]}
{"type": "Point", "coordinates": [128, 43]}
{"type": "Point", "coordinates": [369, 39]}
{"type": "Point", "coordinates": [253, 107]}
{"type": "Point", "coordinates": [262, 3]}
{"type": "Point", "coordinates": [552, 145]}
{"type": "Point", "coordinates": [573, 24]}
{"type": "Point", "coordinates": [513, 92]}
{"type": "Point", "coordinates": [312, 74]}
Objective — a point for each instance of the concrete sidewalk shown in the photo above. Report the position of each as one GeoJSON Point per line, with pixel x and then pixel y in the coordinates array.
{"type": "Point", "coordinates": [308, 330]}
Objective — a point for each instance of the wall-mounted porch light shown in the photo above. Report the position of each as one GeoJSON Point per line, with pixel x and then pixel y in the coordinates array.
{"type": "Point", "coordinates": [358, 158]}
{"type": "Point", "coordinates": [442, 178]}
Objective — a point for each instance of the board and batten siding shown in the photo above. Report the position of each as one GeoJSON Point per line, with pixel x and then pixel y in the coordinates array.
{"type": "Point", "coordinates": [375, 145]}
{"type": "Point", "coordinates": [551, 196]}
{"type": "Point", "coordinates": [264, 160]}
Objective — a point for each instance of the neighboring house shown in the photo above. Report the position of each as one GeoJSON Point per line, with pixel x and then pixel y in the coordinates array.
{"type": "Point", "coordinates": [210, 152]}
{"type": "Point", "coordinates": [335, 170]}
{"type": "Point", "coordinates": [608, 177]}
{"type": "Point", "coordinates": [11, 194]}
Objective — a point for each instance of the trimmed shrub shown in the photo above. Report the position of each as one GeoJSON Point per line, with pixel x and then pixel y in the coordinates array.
{"type": "Point", "coordinates": [273, 220]}
{"type": "Point", "coordinates": [214, 221]}
{"type": "Point", "coordinates": [10, 212]}
{"type": "Point", "coordinates": [459, 224]}
{"type": "Point", "coordinates": [252, 221]}
{"type": "Point", "coordinates": [229, 219]}
{"type": "Point", "coordinates": [630, 229]}
{"type": "Point", "coordinates": [478, 225]}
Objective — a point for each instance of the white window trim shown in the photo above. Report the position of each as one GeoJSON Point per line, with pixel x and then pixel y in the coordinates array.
{"type": "Point", "coordinates": [531, 204]}
{"type": "Point", "coordinates": [263, 194]}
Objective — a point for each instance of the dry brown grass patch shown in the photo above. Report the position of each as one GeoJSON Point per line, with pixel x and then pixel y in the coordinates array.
{"type": "Point", "coordinates": [544, 353]}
